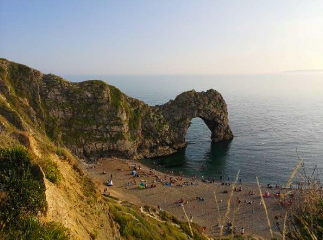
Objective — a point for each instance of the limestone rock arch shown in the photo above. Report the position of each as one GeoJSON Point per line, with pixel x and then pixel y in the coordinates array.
{"type": "Point", "coordinates": [209, 106]}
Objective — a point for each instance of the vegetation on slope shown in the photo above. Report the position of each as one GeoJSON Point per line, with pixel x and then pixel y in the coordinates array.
{"type": "Point", "coordinates": [23, 198]}
{"type": "Point", "coordinates": [136, 224]}
{"type": "Point", "coordinates": [50, 169]}
{"type": "Point", "coordinates": [305, 217]}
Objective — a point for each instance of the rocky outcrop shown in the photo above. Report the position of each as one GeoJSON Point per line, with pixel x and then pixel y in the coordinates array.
{"type": "Point", "coordinates": [95, 120]}
{"type": "Point", "coordinates": [209, 106]}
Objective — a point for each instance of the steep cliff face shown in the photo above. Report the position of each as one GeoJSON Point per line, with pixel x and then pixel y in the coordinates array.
{"type": "Point", "coordinates": [94, 119]}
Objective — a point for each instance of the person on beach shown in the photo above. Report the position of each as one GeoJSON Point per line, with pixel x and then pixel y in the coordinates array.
{"type": "Point", "coordinates": [229, 227]}
{"type": "Point", "coordinates": [251, 192]}
{"type": "Point", "coordinates": [242, 231]}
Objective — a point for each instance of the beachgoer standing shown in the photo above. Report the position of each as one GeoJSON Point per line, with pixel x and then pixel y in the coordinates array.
{"type": "Point", "coordinates": [242, 231]}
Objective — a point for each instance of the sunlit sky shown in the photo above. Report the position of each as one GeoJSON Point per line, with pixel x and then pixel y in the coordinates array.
{"type": "Point", "coordinates": [163, 37]}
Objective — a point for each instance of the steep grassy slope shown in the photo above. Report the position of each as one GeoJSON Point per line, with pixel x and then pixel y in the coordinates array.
{"type": "Point", "coordinates": [37, 204]}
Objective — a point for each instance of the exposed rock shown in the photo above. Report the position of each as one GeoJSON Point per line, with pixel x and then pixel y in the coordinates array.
{"type": "Point", "coordinates": [94, 119]}
{"type": "Point", "coordinates": [12, 117]}
{"type": "Point", "coordinates": [209, 106]}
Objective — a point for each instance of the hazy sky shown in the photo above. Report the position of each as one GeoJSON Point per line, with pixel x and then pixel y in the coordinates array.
{"type": "Point", "coordinates": [163, 37]}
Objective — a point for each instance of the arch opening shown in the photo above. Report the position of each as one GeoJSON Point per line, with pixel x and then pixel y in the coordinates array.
{"type": "Point", "coordinates": [198, 131]}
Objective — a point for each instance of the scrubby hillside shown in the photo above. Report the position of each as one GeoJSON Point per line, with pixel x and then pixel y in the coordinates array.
{"type": "Point", "coordinates": [51, 198]}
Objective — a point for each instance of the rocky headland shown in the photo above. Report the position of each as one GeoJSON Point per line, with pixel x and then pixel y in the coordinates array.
{"type": "Point", "coordinates": [94, 119]}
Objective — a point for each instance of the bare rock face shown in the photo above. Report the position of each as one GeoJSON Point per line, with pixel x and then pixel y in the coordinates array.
{"type": "Point", "coordinates": [95, 120]}
{"type": "Point", "coordinates": [209, 106]}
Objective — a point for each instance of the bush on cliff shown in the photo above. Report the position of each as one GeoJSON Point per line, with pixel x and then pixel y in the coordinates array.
{"type": "Point", "coordinates": [22, 198]}
{"type": "Point", "coordinates": [51, 171]}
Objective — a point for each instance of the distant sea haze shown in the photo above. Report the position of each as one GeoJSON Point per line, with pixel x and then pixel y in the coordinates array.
{"type": "Point", "coordinates": [313, 71]}
{"type": "Point", "coordinates": [275, 119]}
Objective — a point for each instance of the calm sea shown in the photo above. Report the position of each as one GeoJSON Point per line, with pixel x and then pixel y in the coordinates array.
{"type": "Point", "coordinates": [275, 120]}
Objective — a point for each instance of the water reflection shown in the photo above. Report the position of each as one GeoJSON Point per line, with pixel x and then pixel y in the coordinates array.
{"type": "Point", "coordinates": [215, 158]}
{"type": "Point", "coordinates": [212, 162]}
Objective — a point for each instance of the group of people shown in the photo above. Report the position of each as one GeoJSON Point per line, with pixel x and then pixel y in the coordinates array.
{"type": "Point", "coordinates": [238, 189]}
{"type": "Point", "coordinates": [164, 180]}
{"type": "Point", "coordinates": [230, 229]}
{"type": "Point", "coordinates": [168, 180]}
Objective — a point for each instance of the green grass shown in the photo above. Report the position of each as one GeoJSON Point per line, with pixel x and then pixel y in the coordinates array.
{"type": "Point", "coordinates": [6, 140]}
{"type": "Point", "coordinates": [11, 116]}
{"type": "Point", "coordinates": [32, 229]}
{"type": "Point", "coordinates": [22, 198]}
{"type": "Point", "coordinates": [2, 72]}
{"type": "Point", "coordinates": [89, 189]}
{"type": "Point", "coordinates": [135, 225]}
{"type": "Point", "coordinates": [135, 120]}
{"type": "Point", "coordinates": [21, 183]}
{"type": "Point", "coordinates": [51, 170]}
{"type": "Point", "coordinates": [64, 154]}
{"type": "Point", "coordinates": [115, 95]}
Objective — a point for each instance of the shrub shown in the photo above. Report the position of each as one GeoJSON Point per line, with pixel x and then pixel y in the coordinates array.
{"type": "Point", "coordinates": [22, 197]}
{"type": "Point", "coordinates": [32, 229]}
{"type": "Point", "coordinates": [22, 187]}
{"type": "Point", "coordinates": [51, 170]}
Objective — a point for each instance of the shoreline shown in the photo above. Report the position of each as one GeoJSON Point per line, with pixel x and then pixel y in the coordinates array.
{"type": "Point", "coordinates": [197, 198]}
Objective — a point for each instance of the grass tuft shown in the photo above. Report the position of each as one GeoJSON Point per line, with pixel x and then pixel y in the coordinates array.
{"type": "Point", "coordinates": [51, 170]}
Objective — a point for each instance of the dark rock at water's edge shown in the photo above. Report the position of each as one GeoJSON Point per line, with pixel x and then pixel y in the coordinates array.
{"type": "Point", "coordinates": [95, 119]}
